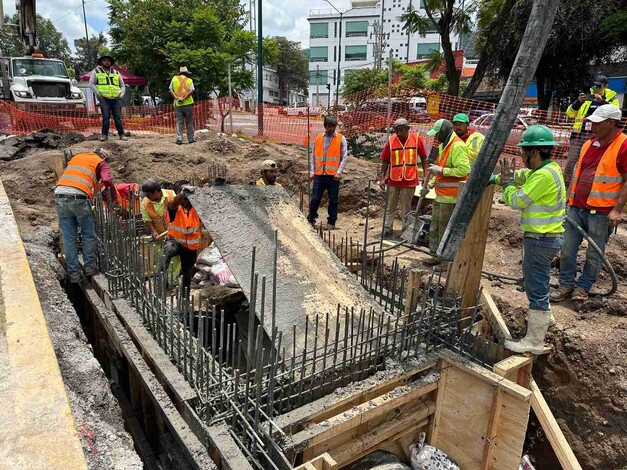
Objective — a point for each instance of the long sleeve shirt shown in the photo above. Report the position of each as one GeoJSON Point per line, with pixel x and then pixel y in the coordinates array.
{"type": "Point", "coordinates": [93, 81]}
{"type": "Point", "coordinates": [457, 164]}
{"type": "Point", "coordinates": [326, 141]}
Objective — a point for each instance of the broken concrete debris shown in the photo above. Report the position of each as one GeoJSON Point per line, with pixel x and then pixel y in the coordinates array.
{"type": "Point", "coordinates": [14, 147]}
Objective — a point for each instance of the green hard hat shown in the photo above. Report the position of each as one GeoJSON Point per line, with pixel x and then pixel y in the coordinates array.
{"type": "Point", "coordinates": [537, 136]}
{"type": "Point", "coordinates": [461, 117]}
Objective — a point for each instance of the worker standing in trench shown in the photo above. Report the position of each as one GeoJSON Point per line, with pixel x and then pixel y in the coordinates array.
{"type": "Point", "coordinates": [541, 198]}
{"type": "Point", "coordinates": [269, 173]}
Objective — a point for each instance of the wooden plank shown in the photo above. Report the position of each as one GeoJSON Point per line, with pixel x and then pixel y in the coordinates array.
{"type": "Point", "coordinates": [512, 430]}
{"type": "Point", "coordinates": [553, 432]}
{"type": "Point", "coordinates": [464, 276]}
{"type": "Point", "coordinates": [399, 443]}
{"type": "Point", "coordinates": [493, 315]}
{"type": "Point", "coordinates": [432, 433]}
{"type": "Point", "coordinates": [322, 462]}
{"type": "Point", "coordinates": [413, 289]}
{"type": "Point", "coordinates": [511, 367]}
{"type": "Point", "coordinates": [58, 165]}
{"type": "Point", "coordinates": [493, 429]}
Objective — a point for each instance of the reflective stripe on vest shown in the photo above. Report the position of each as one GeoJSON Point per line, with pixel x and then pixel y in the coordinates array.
{"type": "Point", "coordinates": [186, 228]}
{"type": "Point", "coordinates": [81, 173]}
{"type": "Point", "coordinates": [261, 182]}
{"type": "Point", "coordinates": [448, 186]}
{"type": "Point", "coordinates": [608, 182]}
{"type": "Point", "coordinates": [108, 84]}
{"type": "Point", "coordinates": [181, 85]}
{"type": "Point", "coordinates": [159, 220]}
{"type": "Point", "coordinates": [327, 164]}
{"type": "Point", "coordinates": [404, 158]}
{"type": "Point", "coordinates": [549, 211]}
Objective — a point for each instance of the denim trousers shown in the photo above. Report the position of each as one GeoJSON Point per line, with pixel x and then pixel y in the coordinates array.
{"type": "Point", "coordinates": [172, 248]}
{"type": "Point", "coordinates": [185, 119]}
{"type": "Point", "coordinates": [322, 183]}
{"type": "Point", "coordinates": [537, 256]}
{"type": "Point", "coordinates": [109, 107]}
{"type": "Point", "coordinates": [75, 212]}
{"type": "Point", "coordinates": [595, 224]}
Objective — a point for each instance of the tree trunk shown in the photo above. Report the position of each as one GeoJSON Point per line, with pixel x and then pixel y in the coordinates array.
{"type": "Point", "coordinates": [529, 54]}
{"type": "Point", "coordinates": [452, 74]}
{"type": "Point", "coordinates": [477, 77]}
{"type": "Point", "coordinates": [544, 92]}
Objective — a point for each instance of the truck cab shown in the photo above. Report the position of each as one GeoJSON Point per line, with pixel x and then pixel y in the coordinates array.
{"type": "Point", "coordinates": [36, 80]}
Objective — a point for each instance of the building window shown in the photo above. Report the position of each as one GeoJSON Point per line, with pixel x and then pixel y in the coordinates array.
{"type": "Point", "coordinates": [319, 30]}
{"type": "Point", "coordinates": [356, 29]}
{"type": "Point", "coordinates": [322, 77]}
{"type": "Point", "coordinates": [355, 52]}
{"type": "Point", "coordinates": [426, 48]}
{"type": "Point", "coordinates": [319, 54]}
{"type": "Point", "coordinates": [335, 29]}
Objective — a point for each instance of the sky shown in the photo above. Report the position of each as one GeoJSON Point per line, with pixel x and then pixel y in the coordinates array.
{"type": "Point", "coordinates": [280, 17]}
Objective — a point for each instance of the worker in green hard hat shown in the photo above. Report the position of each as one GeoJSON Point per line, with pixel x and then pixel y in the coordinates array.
{"type": "Point", "coordinates": [538, 191]}
{"type": "Point", "coordinates": [472, 138]}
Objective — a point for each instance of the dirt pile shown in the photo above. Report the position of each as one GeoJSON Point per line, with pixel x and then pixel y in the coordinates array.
{"type": "Point", "coordinates": [14, 147]}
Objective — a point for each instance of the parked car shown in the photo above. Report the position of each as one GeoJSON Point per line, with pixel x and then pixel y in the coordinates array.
{"type": "Point", "coordinates": [372, 115]}
{"type": "Point", "coordinates": [300, 109]}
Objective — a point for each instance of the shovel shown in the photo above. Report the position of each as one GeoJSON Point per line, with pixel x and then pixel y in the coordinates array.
{"type": "Point", "coordinates": [412, 225]}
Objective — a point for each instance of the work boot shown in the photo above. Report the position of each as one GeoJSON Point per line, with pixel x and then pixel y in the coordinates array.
{"type": "Point", "coordinates": [104, 138]}
{"type": "Point", "coordinates": [533, 342]}
{"type": "Point", "coordinates": [123, 137]}
{"type": "Point", "coordinates": [579, 294]}
{"type": "Point", "coordinates": [552, 321]}
{"type": "Point", "coordinates": [562, 293]}
{"type": "Point", "coordinates": [328, 227]}
{"type": "Point", "coordinates": [387, 233]}
{"type": "Point", "coordinates": [179, 142]}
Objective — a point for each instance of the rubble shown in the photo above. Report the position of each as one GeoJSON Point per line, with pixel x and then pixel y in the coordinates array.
{"type": "Point", "coordinates": [13, 147]}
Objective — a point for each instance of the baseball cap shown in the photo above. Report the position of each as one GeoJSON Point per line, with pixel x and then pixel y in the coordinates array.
{"type": "Point", "coordinates": [436, 127]}
{"type": "Point", "coordinates": [604, 112]}
{"type": "Point", "coordinates": [461, 117]}
{"type": "Point", "coordinates": [600, 80]}
{"type": "Point", "coordinates": [400, 122]}
{"type": "Point", "coordinates": [268, 165]}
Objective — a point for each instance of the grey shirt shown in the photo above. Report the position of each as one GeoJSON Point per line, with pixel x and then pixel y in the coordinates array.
{"type": "Point", "coordinates": [93, 81]}
{"type": "Point", "coordinates": [326, 141]}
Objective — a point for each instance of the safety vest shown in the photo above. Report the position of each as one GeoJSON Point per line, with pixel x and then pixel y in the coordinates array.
{"type": "Point", "coordinates": [473, 144]}
{"type": "Point", "coordinates": [181, 85]}
{"type": "Point", "coordinates": [81, 173]}
{"type": "Point", "coordinates": [547, 213]}
{"type": "Point", "coordinates": [329, 163]}
{"type": "Point", "coordinates": [186, 228]}
{"type": "Point", "coordinates": [125, 202]}
{"type": "Point", "coordinates": [404, 158]}
{"type": "Point", "coordinates": [108, 84]}
{"type": "Point", "coordinates": [608, 182]}
{"type": "Point", "coordinates": [159, 219]}
{"type": "Point", "coordinates": [581, 113]}
{"type": "Point", "coordinates": [448, 186]}
{"type": "Point", "coordinates": [261, 182]}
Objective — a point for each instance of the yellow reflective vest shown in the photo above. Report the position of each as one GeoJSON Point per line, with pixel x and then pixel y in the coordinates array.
{"type": "Point", "coordinates": [181, 85]}
{"type": "Point", "coordinates": [474, 143]}
{"type": "Point", "coordinates": [108, 84]}
{"type": "Point", "coordinates": [580, 114]}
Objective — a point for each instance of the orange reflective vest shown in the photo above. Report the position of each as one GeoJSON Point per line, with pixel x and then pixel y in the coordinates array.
{"type": "Point", "coordinates": [447, 185]}
{"type": "Point", "coordinates": [125, 201]}
{"type": "Point", "coordinates": [404, 158]}
{"type": "Point", "coordinates": [81, 173]}
{"type": "Point", "coordinates": [608, 182]}
{"type": "Point", "coordinates": [329, 163]}
{"type": "Point", "coordinates": [186, 228]}
{"type": "Point", "coordinates": [159, 220]}
{"type": "Point", "coordinates": [261, 182]}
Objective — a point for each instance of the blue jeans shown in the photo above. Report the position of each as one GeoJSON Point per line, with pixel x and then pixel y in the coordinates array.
{"type": "Point", "coordinates": [73, 212]}
{"type": "Point", "coordinates": [537, 256]}
{"type": "Point", "coordinates": [109, 107]}
{"type": "Point", "coordinates": [598, 229]}
{"type": "Point", "coordinates": [321, 184]}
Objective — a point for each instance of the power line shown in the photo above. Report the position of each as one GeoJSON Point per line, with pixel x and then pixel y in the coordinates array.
{"type": "Point", "coordinates": [71, 11]}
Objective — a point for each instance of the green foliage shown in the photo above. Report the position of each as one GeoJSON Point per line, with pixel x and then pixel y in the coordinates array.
{"type": "Point", "coordinates": [291, 64]}
{"type": "Point", "coordinates": [360, 81]}
{"type": "Point", "coordinates": [414, 76]}
{"type": "Point", "coordinates": [52, 44]}
{"type": "Point", "coordinates": [616, 27]}
{"type": "Point", "coordinates": [367, 146]}
{"type": "Point", "coordinates": [85, 59]}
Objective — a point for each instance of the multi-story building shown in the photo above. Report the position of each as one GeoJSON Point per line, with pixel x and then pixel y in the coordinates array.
{"type": "Point", "coordinates": [271, 91]}
{"type": "Point", "coordinates": [369, 29]}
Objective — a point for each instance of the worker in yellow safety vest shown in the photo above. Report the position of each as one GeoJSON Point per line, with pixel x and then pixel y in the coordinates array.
{"type": "Point", "coordinates": [472, 138]}
{"type": "Point", "coordinates": [269, 173]}
{"type": "Point", "coordinates": [181, 89]}
{"type": "Point", "coordinates": [330, 155]}
{"type": "Point", "coordinates": [108, 86]}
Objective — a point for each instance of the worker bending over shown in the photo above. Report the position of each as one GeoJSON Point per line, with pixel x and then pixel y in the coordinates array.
{"type": "Point", "coordinates": [472, 138]}
{"type": "Point", "coordinates": [184, 235]}
{"type": "Point", "coordinates": [124, 192]}
{"type": "Point", "coordinates": [269, 173]}
{"type": "Point", "coordinates": [451, 167]}
{"type": "Point", "coordinates": [330, 155]}
{"type": "Point", "coordinates": [541, 198]}
{"type": "Point", "coordinates": [597, 196]}
{"type": "Point", "coordinates": [400, 156]}
{"type": "Point", "coordinates": [74, 196]}
{"type": "Point", "coordinates": [153, 207]}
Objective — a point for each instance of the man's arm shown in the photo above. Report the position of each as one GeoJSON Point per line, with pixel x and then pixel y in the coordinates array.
{"type": "Point", "coordinates": [171, 89]}
{"type": "Point", "coordinates": [531, 191]}
{"type": "Point", "coordinates": [422, 152]}
{"type": "Point", "coordinates": [103, 174]}
{"type": "Point", "coordinates": [460, 164]}
{"type": "Point", "coordinates": [122, 86]}
{"type": "Point", "coordinates": [614, 217]}
{"type": "Point", "coordinates": [343, 155]}
{"type": "Point", "coordinates": [175, 202]}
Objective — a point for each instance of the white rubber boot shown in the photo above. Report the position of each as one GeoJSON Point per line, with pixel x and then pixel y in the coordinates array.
{"type": "Point", "coordinates": [533, 342]}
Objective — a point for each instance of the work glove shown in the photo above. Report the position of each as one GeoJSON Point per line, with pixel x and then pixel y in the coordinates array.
{"type": "Point", "coordinates": [492, 180]}
{"type": "Point", "coordinates": [508, 167]}
{"type": "Point", "coordinates": [424, 191]}
{"type": "Point", "coordinates": [187, 190]}
{"type": "Point", "coordinates": [436, 170]}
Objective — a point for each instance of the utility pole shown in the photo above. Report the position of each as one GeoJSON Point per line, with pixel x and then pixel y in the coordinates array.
{"type": "Point", "coordinates": [317, 85]}
{"type": "Point", "coordinates": [259, 69]}
{"type": "Point", "coordinates": [529, 52]}
{"type": "Point", "coordinates": [230, 100]}
{"type": "Point", "coordinates": [339, 60]}
{"type": "Point", "coordinates": [87, 48]}
{"type": "Point", "coordinates": [390, 73]}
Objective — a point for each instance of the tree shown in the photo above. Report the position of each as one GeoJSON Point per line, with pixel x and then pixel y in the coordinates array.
{"type": "Point", "coordinates": [447, 17]}
{"type": "Point", "coordinates": [85, 59]}
{"type": "Point", "coordinates": [51, 42]}
{"type": "Point", "coordinates": [358, 82]}
{"type": "Point", "coordinates": [291, 66]}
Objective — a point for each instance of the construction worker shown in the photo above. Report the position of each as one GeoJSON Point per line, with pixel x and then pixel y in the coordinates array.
{"type": "Point", "coordinates": [330, 155]}
{"type": "Point", "coordinates": [124, 192]}
{"type": "Point", "coordinates": [74, 195]}
{"type": "Point", "coordinates": [451, 167]}
{"type": "Point", "coordinates": [403, 149]}
{"type": "Point", "coordinates": [153, 207]}
{"type": "Point", "coordinates": [472, 138]}
{"type": "Point", "coordinates": [109, 88]}
{"type": "Point", "coordinates": [584, 106]}
{"type": "Point", "coordinates": [597, 196]}
{"type": "Point", "coordinates": [269, 173]}
{"type": "Point", "coordinates": [539, 192]}
{"type": "Point", "coordinates": [184, 235]}
{"type": "Point", "coordinates": [181, 89]}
